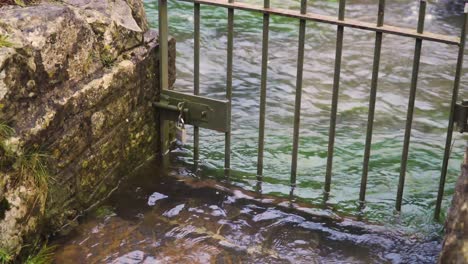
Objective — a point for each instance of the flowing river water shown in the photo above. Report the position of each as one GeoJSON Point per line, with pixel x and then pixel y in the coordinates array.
{"type": "Point", "coordinates": [201, 222]}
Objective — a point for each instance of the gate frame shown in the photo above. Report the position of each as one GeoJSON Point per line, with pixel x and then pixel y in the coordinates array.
{"type": "Point", "coordinates": [341, 22]}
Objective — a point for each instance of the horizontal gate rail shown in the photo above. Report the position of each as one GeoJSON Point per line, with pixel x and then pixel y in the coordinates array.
{"type": "Point", "coordinates": [334, 21]}
{"type": "Point", "coordinates": [458, 112]}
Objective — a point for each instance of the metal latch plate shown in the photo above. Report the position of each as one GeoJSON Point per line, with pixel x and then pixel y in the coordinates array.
{"type": "Point", "coordinates": [196, 110]}
{"type": "Point", "coordinates": [461, 116]}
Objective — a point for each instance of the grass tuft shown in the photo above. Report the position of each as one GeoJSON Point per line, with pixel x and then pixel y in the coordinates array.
{"type": "Point", "coordinates": [32, 166]}
{"type": "Point", "coordinates": [5, 131]}
{"type": "Point", "coordinates": [5, 256]}
{"type": "Point", "coordinates": [29, 166]}
{"type": "Point", "coordinates": [107, 59]}
{"type": "Point", "coordinates": [6, 154]}
{"type": "Point", "coordinates": [4, 42]}
{"type": "Point", "coordinates": [45, 255]}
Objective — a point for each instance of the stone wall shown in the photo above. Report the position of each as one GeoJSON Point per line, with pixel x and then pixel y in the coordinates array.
{"type": "Point", "coordinates": [76, 84]}
{"type": "Point", "coordinates": [455, 247]}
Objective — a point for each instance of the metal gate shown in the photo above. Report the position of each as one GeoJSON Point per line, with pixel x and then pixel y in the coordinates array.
{"type": "Point", "coordinates": [216, 114]}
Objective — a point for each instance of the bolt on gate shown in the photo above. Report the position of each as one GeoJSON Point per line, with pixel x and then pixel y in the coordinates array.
{"type": "Point", "coordinates": [216, 114]}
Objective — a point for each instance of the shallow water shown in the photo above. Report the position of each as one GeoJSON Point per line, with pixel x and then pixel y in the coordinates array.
{"type": "Point", "coordinates": [431, 111]}
{"type": "Point", "coordinates": [175, 219]}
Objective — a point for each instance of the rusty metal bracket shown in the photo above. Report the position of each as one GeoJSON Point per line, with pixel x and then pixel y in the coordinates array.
{"type": "Point", "coordinates": [195, 110]}
{"type": "Point", "coordinates": [461, 116]}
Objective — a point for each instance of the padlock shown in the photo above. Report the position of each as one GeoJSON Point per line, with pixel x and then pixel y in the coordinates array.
{"type": "Point", "coordinates": [181, 134]}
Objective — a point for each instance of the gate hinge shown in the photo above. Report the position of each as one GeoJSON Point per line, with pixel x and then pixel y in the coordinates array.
{"type": "Point", "coordinates": [461, 116]}
{"type": "Point", "coordinates": [195, 110]}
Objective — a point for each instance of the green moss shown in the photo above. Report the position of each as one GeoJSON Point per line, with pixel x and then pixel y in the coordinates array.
{"type": "Point", "coordinates": [20, 3]}
{"type": "Point", "coordinates": [89, 61]}
{"type": "Point", "coordinates": [6, 155]}
{"type": "Point", "coordinates": [5, 131]}
{"type": "Point", "coordinates": [115, 34]}
{"type": "Point", "coordinates": [106, 56]}
{"type": "Point", "coordinates": [4, 42]}
{"type": "Point", "coordinates": [51, 74]}
{"type": "Point", "coordinates": [104, 164]}
{"type": "Point", "coordinates": [84, 164]}
{"type": "Point", "coordinates": [103, 211]}
{"type": "Point", "coordinates": [107, 60]}
{"type": "Point", "coordinates": [5, 256]}
{"type": "Point", "coordinates": [56, 153]}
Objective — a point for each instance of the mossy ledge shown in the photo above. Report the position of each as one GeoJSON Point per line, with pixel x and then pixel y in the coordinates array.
{"type": "Point", "coordinates": [75, 111]}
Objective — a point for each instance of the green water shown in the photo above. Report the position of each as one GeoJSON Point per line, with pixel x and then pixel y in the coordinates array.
{"type": "Point", "coordinates": [430, 120]}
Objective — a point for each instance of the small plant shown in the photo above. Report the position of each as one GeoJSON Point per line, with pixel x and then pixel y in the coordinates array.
{"type": "Point", "coordinates": [107, 60]}
{"type": "Point", "coordinates": [5, 131]}
{"type": "Point", "coordinates": [29, 165]}
{"type": "Point", "coordinates": [33, 165]}
{"type": "Point", "coordinates": [5, 152]}
{"type": "Point", "coordinates": [26, 163]}
{"type": "Point", "coordinates": [104, 211]}
{"type": "Point", "coordinates": [4, 41]}
{"type": "Point", "coordinates": [89, 61]}
{"type": "Point", "coordinates": [106, 57]}
{"type": "Point", "coordinates": [5, 256]}
{"type": "Point", "coordinates": [45, 255]}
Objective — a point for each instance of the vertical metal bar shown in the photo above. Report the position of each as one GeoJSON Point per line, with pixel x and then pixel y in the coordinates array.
{"type": "Point", "coordinates": [297, 109]}
{"type": "Point", "coordinates": [196, 80]}
{"type": "Point", "coordinates": [263, 88]}
{"type": "Point", "coordinates": [163, 68]}
{"type": "Point", "coordinates": [336, 88]}
{"type": "Point", "coordinates": [163, 44]}
{"type": "Point", "coordinates": [230, 47]}
{"type": "Point", "coordinates": [372, 99]}
{"type": "Point", "coordinates": [412, 98]}
{"type": "Point", "coordinates": [456, 87]}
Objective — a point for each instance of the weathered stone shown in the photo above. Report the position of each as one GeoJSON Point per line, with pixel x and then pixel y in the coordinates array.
{"type": "Point", "coordinates": [25, 211]}
{"type": "Point", "coordinates": [77, 84]}
{"type": "Point", "coordinates": [455, 246]}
